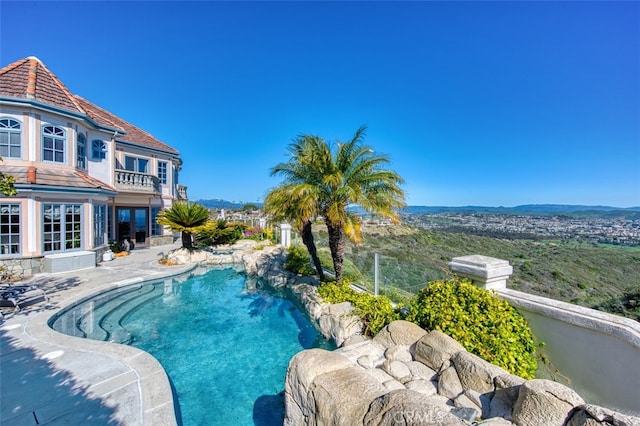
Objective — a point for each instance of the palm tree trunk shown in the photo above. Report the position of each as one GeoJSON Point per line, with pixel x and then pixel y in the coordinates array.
{"type": "Point", "coordinates": [307, 239]}
{"type": "Point", "coordinates": [336, 245]}
{"type": "Point", "coordinates": [186, 240]}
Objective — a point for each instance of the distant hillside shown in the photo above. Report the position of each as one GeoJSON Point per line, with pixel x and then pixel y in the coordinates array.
{"type": "Point", "coordinates": [532, 209]}
{"type": "Point", "coordinates": [410, 258]}
{"type": "Point", "coordinates": [218, 203]}
{"type": "Point", "coordinates": [526, 209]}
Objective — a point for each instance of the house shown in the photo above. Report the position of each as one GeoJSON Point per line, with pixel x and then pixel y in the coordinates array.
{"type": "Point", "coordinates": [84, 176]}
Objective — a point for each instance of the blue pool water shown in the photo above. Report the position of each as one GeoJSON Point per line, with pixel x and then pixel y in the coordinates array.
{"type": "Point", "coordinates": [225, 347]}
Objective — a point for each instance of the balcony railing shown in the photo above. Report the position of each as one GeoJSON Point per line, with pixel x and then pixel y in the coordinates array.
{"type": "Point", "coordinates": [182, 192]}
{"type": "Point", "coordinates": [134, 181]}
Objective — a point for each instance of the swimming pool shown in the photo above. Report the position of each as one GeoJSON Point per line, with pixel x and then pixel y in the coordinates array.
{"type": "Point", "coordinates": [224, 345]}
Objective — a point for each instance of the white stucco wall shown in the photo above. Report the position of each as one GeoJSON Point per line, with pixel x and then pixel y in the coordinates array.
{"type": "Point", "coordinates": [597, 353]}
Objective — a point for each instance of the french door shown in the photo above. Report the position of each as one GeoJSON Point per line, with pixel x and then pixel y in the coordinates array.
{"type": "Point", "coordinates": [133, 224]}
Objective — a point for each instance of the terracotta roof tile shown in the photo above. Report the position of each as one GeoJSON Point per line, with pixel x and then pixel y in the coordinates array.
{"type": "Point", "coordinates": [133, 133]}
{"type": "Point", "coordinates": [57, 177]}
{"type": "Point", "coordinates": [29, 78]}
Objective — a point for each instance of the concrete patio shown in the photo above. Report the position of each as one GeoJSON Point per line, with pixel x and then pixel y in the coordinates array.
{"type": "Point", "coordinates": [51, 378]}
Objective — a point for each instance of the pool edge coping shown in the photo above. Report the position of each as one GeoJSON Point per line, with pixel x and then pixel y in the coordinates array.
{"type": "Point", "coordinates": [155, 395]}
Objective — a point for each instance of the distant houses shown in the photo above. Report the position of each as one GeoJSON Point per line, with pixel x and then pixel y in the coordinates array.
{"type": "Point", "coordinates": [84, 176]}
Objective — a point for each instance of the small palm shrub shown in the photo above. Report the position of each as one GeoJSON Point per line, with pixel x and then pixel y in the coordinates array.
{"type": "Point", "coordinates": [186, 218]}
{"type": "Point", "coordinates": [374, 311]}
{"type": "Point", "coordinates": [485, 325]}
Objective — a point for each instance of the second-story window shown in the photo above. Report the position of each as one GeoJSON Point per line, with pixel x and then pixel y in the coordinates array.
{"type": "Point", "coordinates": [81, 152]}
{"type": "Point", "coordinates": [10, 138]}
{"type": "Point", "coordinates": [53, 144]}
{"type": "Point", "coordinates": [135, 164]}
{"type": "Point", "coordinates": [162, 172]}
{"type": "Point", "coordinates": [98, 150]}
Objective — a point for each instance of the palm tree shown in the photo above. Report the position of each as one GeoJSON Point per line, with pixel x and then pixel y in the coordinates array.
{"type": "Point", "coordinates": [185, 218]}
{"type": "Point", "coordinates": [296, 203]}
{"type": "Point", "coordinates": [350, 174]}
{"type": "Point", "coordinates": [356, 176]}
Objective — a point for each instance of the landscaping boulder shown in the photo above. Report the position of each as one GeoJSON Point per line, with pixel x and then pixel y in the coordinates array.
{"type": "Point", "coordinates": [435, 348]}
{"type": "Point", "coordinates": [342, 397]}
{"type": "Point", "coordinates": [476, 373]}
{"type": "Point", "coordinates": [425, 387]}
{"type": "Point", "coordinates": [593, 415]}
{"type": "Point", "coordinates": [420, 371]}
{"type": "Point", "coordinates": [302, 371]}
{"type": "Point", "coordinates": [398, 353]}
{"type": "Point", "coordinates": [338, 323]}
{"type": "Point", "coordinates": [544, 403]}
{"type": "Point", "coordinates": [400, 333]}
{"type": "Point", "coordinates": [449, 384]}
{"type": "Point", "coordinates": [507, 389]}
{"type": "Point", "coordinates": [397, 369]}
{"type": "Point", "coordinates": [407, 407]}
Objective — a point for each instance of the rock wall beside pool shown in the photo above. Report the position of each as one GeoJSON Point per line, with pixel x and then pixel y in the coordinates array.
{"type": "Point", "coordinates": [407, 376]}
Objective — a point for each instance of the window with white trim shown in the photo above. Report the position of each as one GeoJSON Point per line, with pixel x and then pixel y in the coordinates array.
{"type": "Point", "coordinates": [10, 138]}
{"type": "Point", "coordinates": [62, 227]}
{"type": "Point", "coordinates": [99, 225]}
{"type": "Point", "coordinates": [53, 144]}
{"type": "Point", "coordinates": [9, 229]}
{"type": "Point", "coordinates": [156, 228]}
{"type": "Point", "coordinates": [81, 152]}
{"type": "Point", "coordinates": [162, 172]}
{"type": "Point", "coordinates": [135, 164]}
{"type": "Point", "coordinates": [98, 150]}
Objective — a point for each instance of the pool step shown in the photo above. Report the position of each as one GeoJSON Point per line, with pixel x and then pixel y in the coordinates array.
{"type": "Point", "coordinates": [111, 322]}
{"type": "Point", "coordinates": [89, 324]}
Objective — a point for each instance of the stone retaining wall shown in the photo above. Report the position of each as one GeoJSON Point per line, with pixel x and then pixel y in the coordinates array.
{"type": "Point", "coordinates": [19, 268]}
{"type": "Point", "coordinates": [407, 376]}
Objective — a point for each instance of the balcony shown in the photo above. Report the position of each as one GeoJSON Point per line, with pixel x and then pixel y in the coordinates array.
{"type": "Point", "coordinates": [182, 192]}
{"type": "Point", "coordinates": [137, 182]}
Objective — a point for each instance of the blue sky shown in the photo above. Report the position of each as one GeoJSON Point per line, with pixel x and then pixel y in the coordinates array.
{"type": "Point", "coordinates": [477, 103]}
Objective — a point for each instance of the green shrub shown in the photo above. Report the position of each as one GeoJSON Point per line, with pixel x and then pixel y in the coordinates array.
{"type": "Point", "coordinates": [485, 325]}
{"type": "Point", "coordinates": [298, 261]}
{"type": "Point", "coordinates": [374, 311]}
{"type": "Point", "coordinates": [216, 232]}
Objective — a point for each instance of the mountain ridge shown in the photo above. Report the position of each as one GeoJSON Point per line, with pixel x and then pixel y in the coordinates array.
{"type": "Point", "coordinates": [420, 209]}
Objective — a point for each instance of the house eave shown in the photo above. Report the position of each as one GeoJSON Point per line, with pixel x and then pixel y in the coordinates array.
{"type": "Point", "coordinates": [22, 188]}
{"type": "Point", "coordinates": [58, 110]}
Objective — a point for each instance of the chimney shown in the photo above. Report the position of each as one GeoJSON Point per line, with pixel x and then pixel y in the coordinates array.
{"type": "Point", "coordinates": [31, 174]}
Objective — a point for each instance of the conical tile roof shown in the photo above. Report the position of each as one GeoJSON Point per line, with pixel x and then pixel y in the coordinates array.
{"type": "Point", "coordinates": [30, 79]}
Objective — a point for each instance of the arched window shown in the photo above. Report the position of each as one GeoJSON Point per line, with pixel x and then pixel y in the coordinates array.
{"type": "Point", "coordinates": [53, 144]}
{"type": "Point", "coordinates": [10, 138]}
{"type": "Point", "coordinates": [81, 152]}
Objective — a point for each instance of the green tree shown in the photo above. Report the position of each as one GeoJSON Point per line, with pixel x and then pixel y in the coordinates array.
{"type": "Point", "coordinates": [296, 202]}
{"type": "Point", "coordinates": [336, 177]}
{"type": "Point", "coordinates": [186, 218]}
{"type": "Point", "coordinates": [6, 184]}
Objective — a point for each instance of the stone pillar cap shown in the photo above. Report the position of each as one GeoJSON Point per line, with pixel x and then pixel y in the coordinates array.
{"type": "Point", "coordinates": [479, 260]}
{"type": "Point", "coordinates": [483, 267]}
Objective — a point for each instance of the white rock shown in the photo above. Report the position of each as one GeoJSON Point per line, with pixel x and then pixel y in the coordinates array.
{"type": "Point", "coordinates": [425, 387]}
